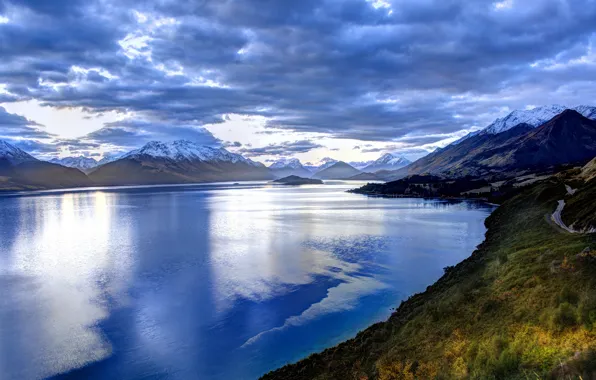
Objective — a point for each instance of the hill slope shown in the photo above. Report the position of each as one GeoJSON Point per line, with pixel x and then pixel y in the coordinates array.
{"type": "Point", "coordinates": [522, 306]}
{"type": "Point", "coordinates": [21, 171]}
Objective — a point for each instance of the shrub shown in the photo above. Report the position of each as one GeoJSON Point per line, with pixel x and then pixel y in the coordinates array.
{"type": "Point", "coordinates": [564, 316]}
{"type": "Point", "coordinates": [587, 311]}
{"type": "Point", "coordinates": [567, 295]}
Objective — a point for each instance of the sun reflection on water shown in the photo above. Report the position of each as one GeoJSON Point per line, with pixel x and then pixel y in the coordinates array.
{"type": "Point", "coordinates": [63, 249]}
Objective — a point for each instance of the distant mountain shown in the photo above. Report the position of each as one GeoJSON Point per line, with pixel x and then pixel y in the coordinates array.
{"type": "Point", "coordinates": [387, 161]}
{"type": "Point", "coordinates": [338, 170]}
{"type": "Point", "coordinates": [568, 138]}
{"type": "Point", "coordinates": [82, 163]}
{"type": "Point", "coordinates": [21, 171]}
{"type": "Point", "coordinates": [289, 167]}
{"type": "Point", "coordinates": [360, 164]}
{"type": "Point", "coordinates": [326, 162]}
{"type": "Point", "coordinates": [534, 117]}
{"type": "Point", "coordinates": [179, 161]}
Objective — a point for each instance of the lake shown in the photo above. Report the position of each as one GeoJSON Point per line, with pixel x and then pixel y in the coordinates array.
{"type": "Point", "coordinates": [216, 281]}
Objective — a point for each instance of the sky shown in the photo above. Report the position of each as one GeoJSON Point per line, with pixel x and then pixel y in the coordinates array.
{"type": "Point", "coordinates": [349, 79]}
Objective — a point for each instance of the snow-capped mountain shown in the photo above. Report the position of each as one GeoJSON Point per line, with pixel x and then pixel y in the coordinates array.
{"type": "Point", "coordinates": [82, 163]}
{"type": "Point", "coordinates": [184, 150]}
{"type": "Point", "coordinates": [180, 161]}
{"type": "Point", "coordinates": [13, 154]}
{"type": "Point", "coordinates": [286, 163]}
{"type": "Point", "coordinates": [534, 117]}
{"type": "Point", "coordinates": [289, 166]}
{"type": "Point", "coordinates": [387, 161]}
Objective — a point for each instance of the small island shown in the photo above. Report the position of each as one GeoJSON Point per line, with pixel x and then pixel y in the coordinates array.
{"type": "Point", "coordinates": [295, 180]}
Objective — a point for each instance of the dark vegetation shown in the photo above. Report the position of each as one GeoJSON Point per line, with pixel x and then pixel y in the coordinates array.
{"type": "Point", "coordinates": [430, 186]}
{"type": "Point", "coordinates": [522, 306]}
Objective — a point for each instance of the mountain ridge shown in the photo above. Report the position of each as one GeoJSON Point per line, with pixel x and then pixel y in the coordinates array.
{"type": "Point", "coordinates": [568, 138]}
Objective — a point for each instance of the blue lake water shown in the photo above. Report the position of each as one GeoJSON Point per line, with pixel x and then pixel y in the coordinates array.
{"type": "Point", "coordinates": [211, 281]}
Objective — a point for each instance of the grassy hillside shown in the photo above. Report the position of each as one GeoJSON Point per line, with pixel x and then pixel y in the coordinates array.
{"type": "Point", "coordinates": [523, 306]}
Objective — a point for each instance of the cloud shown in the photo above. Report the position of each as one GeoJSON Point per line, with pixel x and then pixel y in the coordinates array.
{"type": "Point", "coordinates": [344, 69]}
{"type": "Point", "coordinates": [283, 149]}
{"type": "Point", "coordinates": [15, 126]}
{"type": "Point", "coordinates": [132, 133]}
{"type": "Point", "coordinates": [234, 144]}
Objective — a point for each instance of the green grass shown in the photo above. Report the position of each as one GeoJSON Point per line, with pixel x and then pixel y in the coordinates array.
{"type": "Point", "coordinates": [523, 306]}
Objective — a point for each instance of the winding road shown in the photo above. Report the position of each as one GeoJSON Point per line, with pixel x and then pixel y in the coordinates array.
{"type": "Point", "coordinates": [556, 216]}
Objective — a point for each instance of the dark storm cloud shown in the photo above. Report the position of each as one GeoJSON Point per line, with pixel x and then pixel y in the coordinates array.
{"type": "Point", "coordinates": [284, 149]}
{"type": "Point", "coordinates": [344, 68]}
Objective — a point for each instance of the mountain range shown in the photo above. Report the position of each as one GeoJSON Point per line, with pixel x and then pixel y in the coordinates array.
{"type": "Point", "coordinates": [289, 167]}
{"type": "Point", "coordinates": [499, 150]}
{"type": "Point", "coordinates": [286, 167]}
{"type": "Point", "coordinates": [82, 163]}
{"type": "Point", "coordinates": [387, 161]}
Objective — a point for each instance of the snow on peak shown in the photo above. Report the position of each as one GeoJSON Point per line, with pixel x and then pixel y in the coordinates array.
{"type": "Point", "coordinates": [327, 162]}
{"type": "Point", "coordinates": [108, 157]}
{"type": "Point", "coordinates": [13, 154]}
{"type": "Point", "coordinates": [534, 117]}
{"type": "Point", "coordinates": [388, 161]}
{"type": "Point", "coordinates": [360, 164]}
{"type": "Point", "coordinates": [286, 163]}
{"type": "Point", "coordinates": [392, 159]}
{"type": "Point", "coordinates": [81, 162]}
{"type": "Point", "coordinates": [184, 150]}
{"type": "Point", "coordinates": [587, 111]}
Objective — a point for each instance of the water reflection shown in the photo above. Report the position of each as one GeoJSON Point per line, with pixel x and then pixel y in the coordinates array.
{"type": "Point", "coordinates": [183, 281]}
{"type": "Point", "coordinates": [58, 273]}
